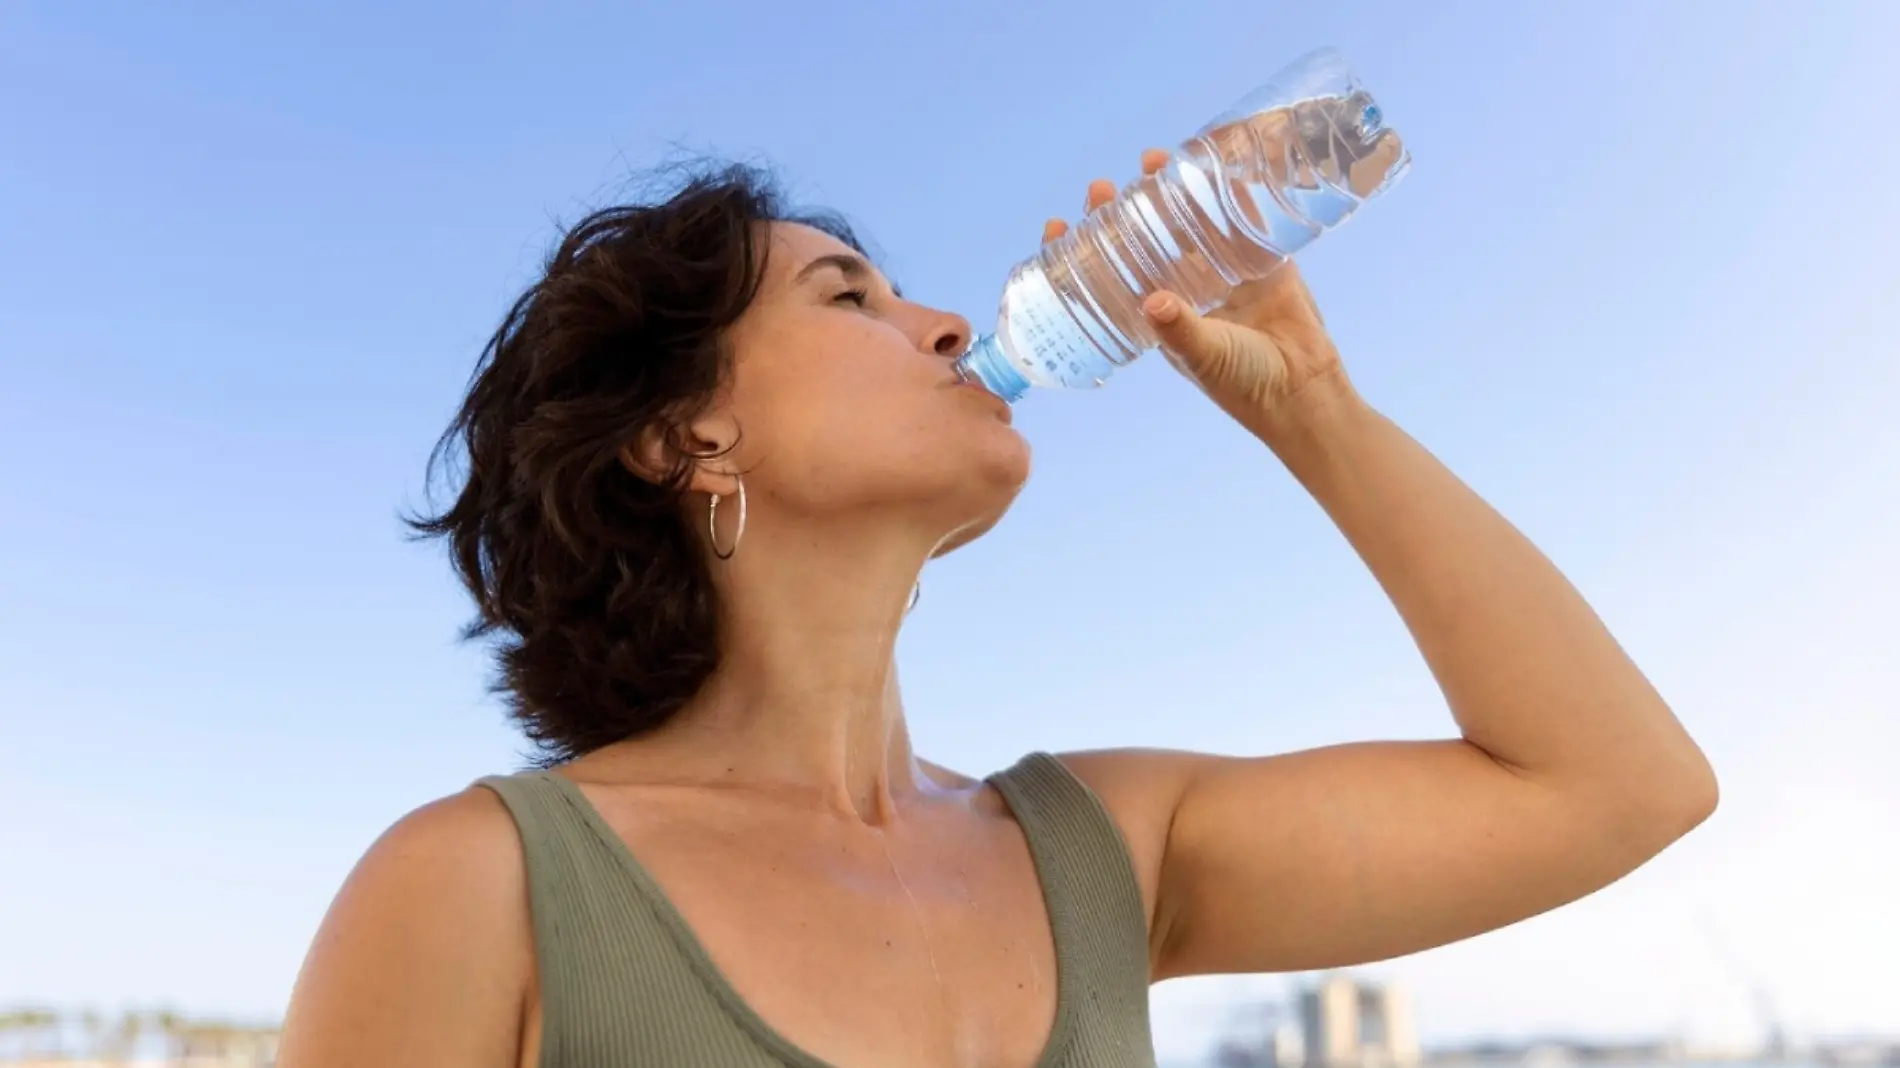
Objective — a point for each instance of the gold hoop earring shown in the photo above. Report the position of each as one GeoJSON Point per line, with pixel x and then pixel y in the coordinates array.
{"type": "Point", "coordinates": [712, 524]}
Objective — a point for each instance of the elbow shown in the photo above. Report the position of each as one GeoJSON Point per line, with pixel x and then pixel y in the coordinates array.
{"type": "Point", "coordinates": [1682, 789]}
{"type": "Point", "coordinates": [1698, 791]}
{"type": "Point", "coordinates": [1688, 796]}
{"type": "Point", "coordinates": [1632, 832]}
{"type": "Point", "coordinates": [1648, 809]}
{"type": "Point", "coordinates": [1704, 794]}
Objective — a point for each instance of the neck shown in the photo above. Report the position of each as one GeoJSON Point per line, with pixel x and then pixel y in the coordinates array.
{"type": "Point", "coordinates": [806, 696]}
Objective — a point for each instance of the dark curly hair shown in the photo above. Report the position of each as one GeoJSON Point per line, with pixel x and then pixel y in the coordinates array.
{"type": "Point", "coordinates": [586, 575]}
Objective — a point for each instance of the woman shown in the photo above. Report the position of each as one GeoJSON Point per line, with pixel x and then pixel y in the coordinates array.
{"type": "Point", "coordinates": [708, 454]}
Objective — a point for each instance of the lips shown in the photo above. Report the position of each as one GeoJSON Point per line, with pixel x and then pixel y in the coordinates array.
{"type": "Point", "coordinates": [961, 383]}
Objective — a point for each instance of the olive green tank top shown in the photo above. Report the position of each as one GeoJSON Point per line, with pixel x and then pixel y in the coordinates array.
{"type": "Point", "coordinates": [626, 984]}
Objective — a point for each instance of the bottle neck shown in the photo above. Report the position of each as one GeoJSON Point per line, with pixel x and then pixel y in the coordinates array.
{"type": "Point", "coordinates": [987, 365]}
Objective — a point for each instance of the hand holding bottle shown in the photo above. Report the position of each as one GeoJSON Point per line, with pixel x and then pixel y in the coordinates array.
{"type": "Point", "coordinates": [1210, 223]}
{"type": "Point", "coordinates": [1259, 355]}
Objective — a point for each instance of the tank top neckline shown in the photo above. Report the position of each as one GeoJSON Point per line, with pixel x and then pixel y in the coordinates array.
{"type": "Point", "coordinates": [1061, 1030]}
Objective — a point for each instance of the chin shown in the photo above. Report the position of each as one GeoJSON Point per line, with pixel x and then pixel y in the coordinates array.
{"type": "Point", "coordinates": [988, 499]}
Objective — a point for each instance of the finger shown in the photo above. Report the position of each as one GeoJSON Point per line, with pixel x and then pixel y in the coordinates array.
{"type": "Point", "coordinates": [1166, 310]}
{"type": "Point", "coordinates": [1153, 160]}
{"type": "Point", "coordinates": [1197, 340]}
{"type": "Point", "coordinates": [1053, 229]}
{"type": "Point", "coordinates": [1101, 191]}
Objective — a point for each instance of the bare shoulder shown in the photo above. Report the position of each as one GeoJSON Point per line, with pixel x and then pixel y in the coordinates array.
{"type": "Point", "coordinates": [1141, 789]}
{"type": "Point", "coordinates": [426, 955]}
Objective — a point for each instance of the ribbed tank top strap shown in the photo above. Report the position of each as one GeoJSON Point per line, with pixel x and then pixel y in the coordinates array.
{"type": "Point", "coordinates": [618, 987]}
{"type": "Point", "coordinates": [1095, 908]}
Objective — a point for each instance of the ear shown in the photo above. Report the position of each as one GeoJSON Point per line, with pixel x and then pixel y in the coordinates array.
{"type": "Point", "coordinates": [707, 441]}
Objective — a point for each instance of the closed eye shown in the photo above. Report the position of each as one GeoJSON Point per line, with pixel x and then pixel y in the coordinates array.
{"type": "Point", "coordinates": [860, 297]}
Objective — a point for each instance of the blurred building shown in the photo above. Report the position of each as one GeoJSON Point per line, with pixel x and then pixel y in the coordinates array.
{"type": "Point", "coordinates": [1347, 1023]}
{"type": "Point", "coordinates": [40, 1038]}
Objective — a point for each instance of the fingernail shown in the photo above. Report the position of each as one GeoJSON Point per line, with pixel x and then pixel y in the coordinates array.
{"type": "Point", "coordinates": [1161, 307]}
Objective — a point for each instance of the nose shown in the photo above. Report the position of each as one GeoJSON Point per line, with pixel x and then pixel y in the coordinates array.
{"type": "Point", "coordinates": [948, 334]}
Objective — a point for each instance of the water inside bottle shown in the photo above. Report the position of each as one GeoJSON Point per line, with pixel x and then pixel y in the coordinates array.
{"type": "Point", "coordinates": [1229, 206]}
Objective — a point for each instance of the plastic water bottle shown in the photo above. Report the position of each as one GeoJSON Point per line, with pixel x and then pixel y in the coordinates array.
{"type": "Point", "coordinates": [1292, 160]}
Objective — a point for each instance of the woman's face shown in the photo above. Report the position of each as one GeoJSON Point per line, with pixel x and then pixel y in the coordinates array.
{"type": "Point", "coordinates": [847, 406]}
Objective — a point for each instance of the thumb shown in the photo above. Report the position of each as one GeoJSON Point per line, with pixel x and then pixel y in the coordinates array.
{"type": "Point", "coordinates": [1193, 343]}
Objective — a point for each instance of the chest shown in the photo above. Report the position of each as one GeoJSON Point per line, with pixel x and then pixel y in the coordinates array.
{"type": "Point", "coordinates": [928, 946]}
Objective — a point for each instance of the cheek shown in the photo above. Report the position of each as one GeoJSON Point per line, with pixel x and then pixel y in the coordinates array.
{"type": "Point", "coordinates": [831, 359]}
{"type": "Point", "coordinates": [818, 398]}
{"type": "Point", "coordinates": [845, 416]}
{"type": "Point", "coordinates": [848, 448]}
{"type": "Point", "coordinates": [873, 438]}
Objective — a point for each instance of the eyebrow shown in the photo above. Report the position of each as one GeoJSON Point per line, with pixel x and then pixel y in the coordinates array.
{"type": "Point", "coordinates": [852, 267]}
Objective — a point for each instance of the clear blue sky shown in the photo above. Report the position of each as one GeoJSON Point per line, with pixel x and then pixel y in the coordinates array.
{"type": "Point", "coordinates": [1631, 290]}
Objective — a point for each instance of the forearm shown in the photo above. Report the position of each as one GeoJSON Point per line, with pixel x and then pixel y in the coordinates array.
{"type": "Point", "coordinates": [1531, 674]}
